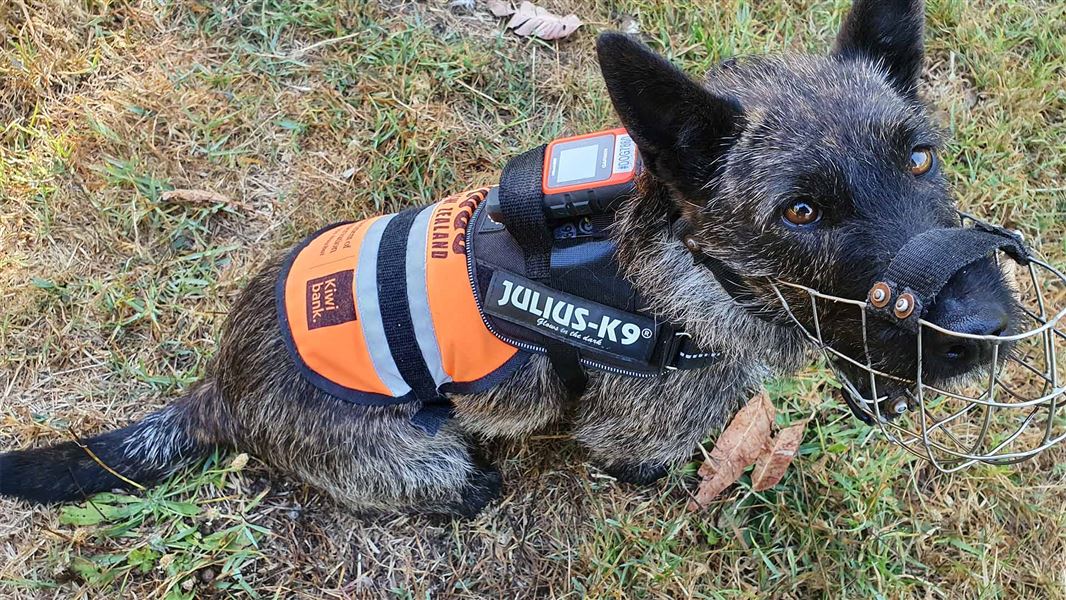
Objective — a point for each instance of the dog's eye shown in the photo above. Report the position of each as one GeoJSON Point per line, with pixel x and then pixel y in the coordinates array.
{"type": "Point", "coordinates": [801, 213]}
{"type": "Point", "coordinates": [921, 160]}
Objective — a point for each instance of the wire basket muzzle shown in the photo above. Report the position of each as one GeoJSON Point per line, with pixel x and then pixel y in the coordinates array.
{"type": "Point", "coordinates": [1003, 412]}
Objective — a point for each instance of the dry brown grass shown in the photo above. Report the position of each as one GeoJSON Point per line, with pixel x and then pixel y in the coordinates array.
{"type": "Point", "coordinates": [307, 111]}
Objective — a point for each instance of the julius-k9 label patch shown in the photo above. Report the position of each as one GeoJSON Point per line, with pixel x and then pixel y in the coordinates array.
{"type": "Point", "coordinates": [569, 318]}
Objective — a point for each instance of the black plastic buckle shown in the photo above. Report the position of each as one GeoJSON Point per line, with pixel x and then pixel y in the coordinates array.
{"type": "Point", "coordinates": [673, 348]}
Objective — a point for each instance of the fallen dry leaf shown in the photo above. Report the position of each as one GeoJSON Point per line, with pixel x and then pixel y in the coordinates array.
{"type": "Point", "coordinates": [746, 441]}
{"type": "Point", "coordinates": [532, 20]}
{"type": "Point", "coordinates": [500, 8]}
{"type": "Point", "coordinates": [770, 467]}
{"type": "Point", "coordinates": [741, 443]}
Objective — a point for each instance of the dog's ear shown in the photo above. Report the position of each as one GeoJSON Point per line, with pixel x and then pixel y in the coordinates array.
{"type": "Point", "coordinates": [681, 129]}
{"type": "Point", "coordinates": [888, 32]}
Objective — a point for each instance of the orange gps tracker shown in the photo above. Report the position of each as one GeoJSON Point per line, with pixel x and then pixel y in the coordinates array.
{"type": "Point", "coordinates": [579, 176]}
{"type": "Point", "coordinates": [587, 174]}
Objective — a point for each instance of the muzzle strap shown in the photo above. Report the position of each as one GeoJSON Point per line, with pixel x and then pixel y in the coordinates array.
{"type": "Point", "coordinates": [730, 281]}
{"type": "Point", "coordinates": [925, 264]}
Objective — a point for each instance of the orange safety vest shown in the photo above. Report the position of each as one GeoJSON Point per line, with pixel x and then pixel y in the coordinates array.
{"type": "Point", "coordinates": [382, 311]}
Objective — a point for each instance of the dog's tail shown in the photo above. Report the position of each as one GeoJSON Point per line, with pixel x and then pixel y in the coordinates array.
{"type": "Point", "coordinates": [139, 454]}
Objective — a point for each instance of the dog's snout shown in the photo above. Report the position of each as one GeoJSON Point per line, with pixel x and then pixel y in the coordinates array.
{"type": "Point", "coordinates": [974, 318]}
{"type": "Point", "coordinates": [974, 302]}
{"type": "Point", "coordinates": [993, 320]}
{"type": "Point", "coordinates": [962, 352]}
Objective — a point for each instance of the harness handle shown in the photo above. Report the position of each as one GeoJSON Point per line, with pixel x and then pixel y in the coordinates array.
{"type": "Point", "coordinates": [522, 207]}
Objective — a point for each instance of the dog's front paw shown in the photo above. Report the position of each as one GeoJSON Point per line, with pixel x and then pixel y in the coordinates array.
{"type": "Point", "coordinates": [482, 487]}
{"type": "Point", "coordinates": [639, 473]}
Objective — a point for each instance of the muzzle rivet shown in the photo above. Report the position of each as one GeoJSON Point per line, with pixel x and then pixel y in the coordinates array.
{"type": "Point", "coordinates": [904, 306]}
{"type": "Point", "coordinates": [880, 294]}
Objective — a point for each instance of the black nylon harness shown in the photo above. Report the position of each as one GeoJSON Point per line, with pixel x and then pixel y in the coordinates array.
{"type": "Point", "coordinates": [575, 258]}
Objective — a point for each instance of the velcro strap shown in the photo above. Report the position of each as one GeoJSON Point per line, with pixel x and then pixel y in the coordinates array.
{"type": "Point", "coordinates": [522, 207]}
{"type": "Point", "coordinates": [396, 316]}
{"type": "Point", "coordinates": [928, 260]}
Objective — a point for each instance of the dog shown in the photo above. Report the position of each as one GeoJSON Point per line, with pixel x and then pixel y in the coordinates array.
{"type": "Point", "coordinates": [809, 169]}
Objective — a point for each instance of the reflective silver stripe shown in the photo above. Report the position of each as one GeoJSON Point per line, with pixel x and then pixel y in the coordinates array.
{"type": "Point", "coordinates": [366, 286]}
{"type": "Point", "coordinates": [418, 296]}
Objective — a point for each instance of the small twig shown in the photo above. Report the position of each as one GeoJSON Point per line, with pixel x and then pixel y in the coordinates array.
{"type": "Point", "coordinates": [96, 458]}
{"type": "Point", "coordinates": [74, 478]}
{"type": "Point", "coordinates": [299, 52]}
{"type": "Point", "coordinates": [478, 92]}
{"type": "Point", "coordinates": [59, 534]}
{"type": "Point", "coordinates": [321, 43]}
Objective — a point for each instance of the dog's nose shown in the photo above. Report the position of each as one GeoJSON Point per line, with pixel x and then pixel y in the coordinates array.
{"type": "Point", "coordinates": [984, 319]}
{"type": "Point", "coordinates": [975, 301]}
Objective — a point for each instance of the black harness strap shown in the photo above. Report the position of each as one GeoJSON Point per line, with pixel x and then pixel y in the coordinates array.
{"type": "Point", "coordinates": [731, 281]}
{"type": "Point", "coordinates": [399, 329]}
{"type": "Point", "coordinates": [566, 361]}
{"type": "Point", "coordinates": [432, 416]}
{"type": "Point", "coordinates": [522, 206]}
{"type": "Point", "coordinates": [691, 356]}
{"type": "Point", "coordinates": [395, 313]}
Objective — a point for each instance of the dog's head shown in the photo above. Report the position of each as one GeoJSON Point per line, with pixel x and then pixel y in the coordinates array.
{"type": "Point", "coordinates": [815, 171]}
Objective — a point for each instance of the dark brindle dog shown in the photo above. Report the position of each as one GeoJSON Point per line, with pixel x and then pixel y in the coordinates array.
{"type": "Point", "coordinates": [812, 170]}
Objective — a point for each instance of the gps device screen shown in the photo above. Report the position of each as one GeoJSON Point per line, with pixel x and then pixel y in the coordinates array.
{"type": "Point", "coordinates": [576, 163]}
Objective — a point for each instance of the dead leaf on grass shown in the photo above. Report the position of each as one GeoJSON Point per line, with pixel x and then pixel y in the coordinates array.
{"type": "Point", "coordinates": [744, 442]}
{"type": "Point", "coordinates": [532, 20]}
{"type": "Point", "coordinates": [500, 8]}
{"type": "Point", "coordinates": [737, 448]}
{"type": "Point", "coordinates": [771, 466]}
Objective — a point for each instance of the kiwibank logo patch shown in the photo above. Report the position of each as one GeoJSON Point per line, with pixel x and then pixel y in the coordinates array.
{"type": "Point", "coordinates": [330, 300]}
{"type": "Point", "coordinates": [569, 318]}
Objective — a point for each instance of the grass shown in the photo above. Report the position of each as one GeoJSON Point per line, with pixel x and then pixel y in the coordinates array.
{"type": "Point", "coordinates": [302, 112]}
